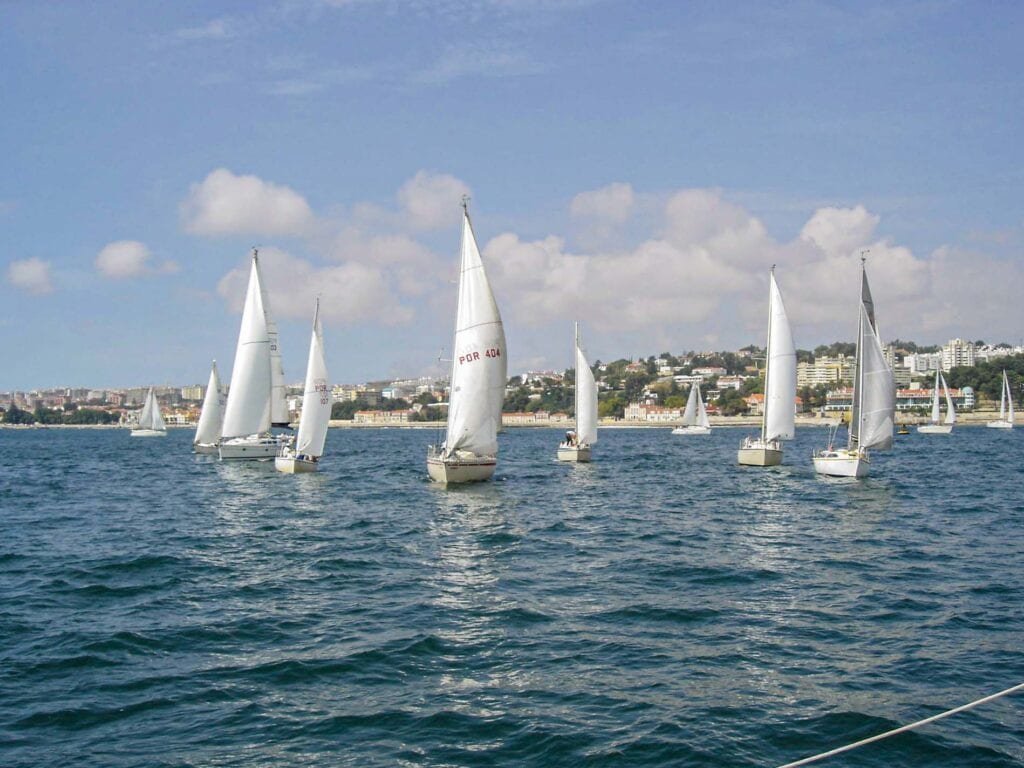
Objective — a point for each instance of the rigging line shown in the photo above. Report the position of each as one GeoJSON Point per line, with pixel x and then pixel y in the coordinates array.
{"type": "Point", "coordinates": [904, 728]}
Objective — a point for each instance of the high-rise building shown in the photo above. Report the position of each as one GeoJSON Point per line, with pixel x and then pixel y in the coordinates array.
{"type": "Point", "coordinates": [956, 353]}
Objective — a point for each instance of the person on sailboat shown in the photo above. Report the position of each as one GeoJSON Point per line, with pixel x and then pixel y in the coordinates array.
{"type": "Point", "coordinates": [570, 438]}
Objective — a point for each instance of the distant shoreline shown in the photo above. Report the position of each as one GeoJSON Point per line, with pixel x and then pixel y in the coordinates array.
{"type": "Point", "coordinates": [971, 419]}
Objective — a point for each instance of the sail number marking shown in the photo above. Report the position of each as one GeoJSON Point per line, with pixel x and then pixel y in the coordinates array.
{"type": "Point", "coordinates": [469, 357]}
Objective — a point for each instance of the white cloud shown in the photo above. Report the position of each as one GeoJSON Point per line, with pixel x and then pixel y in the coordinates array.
{"type": "Point", "coordinates": [431, 200]}
{"type": "Point", "coordinates": [223, 28]}
{"type": "Point", "coordinates": [613, 203]}
{"type": "Point", "coordinates": [227, 204]}
{"type": "Point", "coordinates": [123, 258]}
{"type": "Point", "coordinates": [838, 231]}
{"type": "Point", "coordinates": [349, 293]}
{"type": "Point", "coordinates": [31, 275]}
{"type": "Point", "coordinates": [477, 60]}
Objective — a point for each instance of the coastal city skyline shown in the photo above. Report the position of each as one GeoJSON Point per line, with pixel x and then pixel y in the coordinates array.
{"type": "Point", "coordinates": [151, 148]}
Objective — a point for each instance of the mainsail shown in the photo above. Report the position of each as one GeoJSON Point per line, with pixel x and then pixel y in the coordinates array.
{"type": "Point", "coordinates": [586, 398]}
{"type": "Point", "coordinates": [316, 399]}
{"type": "Point", "coordinates": [874, 390]}
{"type": "Point", "coordinates": [248, 406]}
{"type": "Point", "coordinates": [150, 417]}
{"type": "Point", "coordinates": [780, 376]}
{"type": "Point", "coordinates": [950, 409]}
{"type": "Point", "coordinates": [479, 367]}
{"type": "Point", "coordinates": [278, 406]}
{"type": "Point", "coordinates": [212, 416]}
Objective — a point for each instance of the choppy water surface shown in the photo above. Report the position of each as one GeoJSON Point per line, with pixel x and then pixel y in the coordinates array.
{"type": "Point", "coordinates": [661, 606]}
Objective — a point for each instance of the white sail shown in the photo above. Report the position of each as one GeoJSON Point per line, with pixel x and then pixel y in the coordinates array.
{"type": "Point", "coordinates": [1009, 398]}
{"type": "Point", "coordinates": [149, 417]}
{"type": "Point", "coordinates": [877, 389]}
{"type": "Point", "coordinates": [690, 413]}
{"type": "Point", "coordinates": [278, 405]}
{"type": "Point", "coordinates": [702, 414]}
{"type": "Point", "coordinates": [780, 377]}
{"type": "Point", "coordinates": [211, 418]}
{"type": "Point", "coordinates": [950, 410]}
{"type": "Point", "coordinates": [936, 411]}
{"type": "Point", "coordinates": [248, 405]}
{"type": "Point", "coordinates": [316, 399]}
{"type": "Point", "coordinates": [1002, 399]}
{"type": "Point", "coordinates": [479, 367]}
{"type": "Point", "coordinates": [586, 399]}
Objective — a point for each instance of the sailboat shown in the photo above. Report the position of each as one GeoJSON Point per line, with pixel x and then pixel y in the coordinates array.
{"type": "Point", "coordinates": [1005, 408]}
{"type": "Point", "coordinates": [577, 445]}
{"type": "Point", "coordinates": [211, 418]}
{"type": "Point", "coordinates": [695, 417]}
{"type": "Point", "coordinates": [151, 423]}
{"type": "Point", "coordinates": [874, 400]}
{"type": "Point", "coordinates": [779, 416]}
{"type": "Point", "coordinates": [247, 415]}
{"type": "Point", "coordinates": [469, 452]}
{"type": "Point", "coordinates": [935, 427]}
{"type": "Point", "coordinates": [316, 410]}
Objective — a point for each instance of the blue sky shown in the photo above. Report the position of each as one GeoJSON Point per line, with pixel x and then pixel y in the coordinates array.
{"type": "Point", "coordinates": [636, 165]}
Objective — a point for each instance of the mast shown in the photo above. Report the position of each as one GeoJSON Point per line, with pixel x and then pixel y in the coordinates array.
{"type": "Point", "coordinates": [858, 392]}
{"type": "Point", "coordinates": [767, 357]}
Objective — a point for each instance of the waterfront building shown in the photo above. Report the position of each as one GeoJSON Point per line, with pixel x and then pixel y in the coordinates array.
{"type": "Point", "coordinates": [825, 370]}
{"type": "Point", "coordinates": [841, 400]}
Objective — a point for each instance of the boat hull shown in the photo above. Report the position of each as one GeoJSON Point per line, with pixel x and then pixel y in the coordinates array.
{"type": "Point", "coordinates": [935, 429]}
{"type": "Point", "coordinates": [573, 452]}
{"type": "Point", "coordinates": [209, 449]}
{"type": "Point", "coordinates": [241, 448]}
{"type": "Point", "coordinates": [842, 463]}
{"type": "Point", "coordinates": [1000, 425]}
{"type": "Point", "coordinates": [149, 433]}
{"type": "Point", "coordinates": [756, 452]}
{"type": "Point", "coordinates": [453, 471]}
{"type": "Point", "coordinates": [292, 465]}
{"type": "Point", "coordinates": [692, 430]}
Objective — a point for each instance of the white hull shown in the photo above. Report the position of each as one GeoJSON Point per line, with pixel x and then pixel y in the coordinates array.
{"type": "Point", "coordinates": [205, 448]}
{"type": "Point", "coordinates": [249, 448]}
{"type": "Point", "coordinates": [573, 452]}
{"type": "Point", "coordinates": [935, 429]}
{"type": "Point", "coordinates": [149, 433]}
{"type": "Point", "coordinates": [293, 465]}
{"type": "Point", "coordinates": [1000, 425]}
{"type": "Point", "coordinates": [695, 430]}
{"type": "Point", "coordinates": [755, 452]}
{"type": "Point", "coordinates": [842, 463]}
{"type": "Point", "coordinates": [461, 470]}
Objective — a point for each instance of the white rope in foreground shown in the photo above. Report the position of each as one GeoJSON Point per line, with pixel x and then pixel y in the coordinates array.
{"type": "Point", "coordinates": [901, 729]}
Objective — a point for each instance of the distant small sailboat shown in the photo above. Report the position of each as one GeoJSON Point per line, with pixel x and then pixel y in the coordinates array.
{"type": "Point", "coordinates": [316, 410]}
{"type": "Point", "coordinates": [695, 417]}
{"type": "Point", "coordinates": [874, 400]}
{"type": "Point", "coordinates": [577, 445]}
{"type": "Point", "coordinates": [247, 414]}
{"type": "Point", "coordinates": [1005, 420]}
{"type": "Point", "coordinates": [211, 418]}
{"type": "Point", "coordinates": [151, 423]}
{"type": "Point", "coordinates": [469, 452]}
{"type": "Point", "coordinates": [935, 427]}
{"type": "Point", "coordinates": [778, 421]}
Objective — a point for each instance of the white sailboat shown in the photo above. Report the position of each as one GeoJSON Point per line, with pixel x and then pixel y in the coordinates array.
{"type": "Point", "coordinates": [479, 372]}
{"type": "Point", "coordinates": [1005, 420]}
{"type": "Point", "coordinates": [316, 410]}
{"type": "Point", "coordinates": [246, 431]}
{"type": "Point", "coordinates": [577, 445]}
{"type": "Point", "coordinates": [874, 400]}
{"type": "Point", "coordinates": [695, 417]}
{"type": "Point", "coordinates": [211, 418]}
{"type": "Point", "coordinates": [778, 421]}
{"type": "Point", "coordinates": [936, 427]}
{"type": "Point", "coordinates": [151, 423]}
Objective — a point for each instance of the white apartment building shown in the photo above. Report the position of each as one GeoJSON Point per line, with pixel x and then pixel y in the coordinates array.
{"type": "Point", "coordinates": [825, 370]}
{"type": "Point", "coordinates": [957, 352]}
{"type": "Point", "coordinates": [922, 362]}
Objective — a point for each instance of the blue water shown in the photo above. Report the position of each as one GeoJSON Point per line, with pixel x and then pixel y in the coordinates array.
{"type": "Point", "coordinates": [661, 606]}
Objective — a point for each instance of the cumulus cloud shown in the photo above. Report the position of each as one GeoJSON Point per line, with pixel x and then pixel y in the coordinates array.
{"type": "Point", "coordinates": [228, 204]}
{"type": "Point", "coordinates": [349, 293]}
{"type": "Point", "coordinates": [431, 201]}
{"type": "Point", "coordinates": [122, 258]}
{"type": "Point", "coordinates": [30, 275]}
{"type": "Point", "coordinates": [613, 203]}
{"type": "Point", "coordinates": [837, 231]}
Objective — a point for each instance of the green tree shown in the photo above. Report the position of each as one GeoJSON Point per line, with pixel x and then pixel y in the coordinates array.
{"type": "Point", "coordinates": [16, 415]}
{"type": "Point", "coordinates": [731, 403]}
